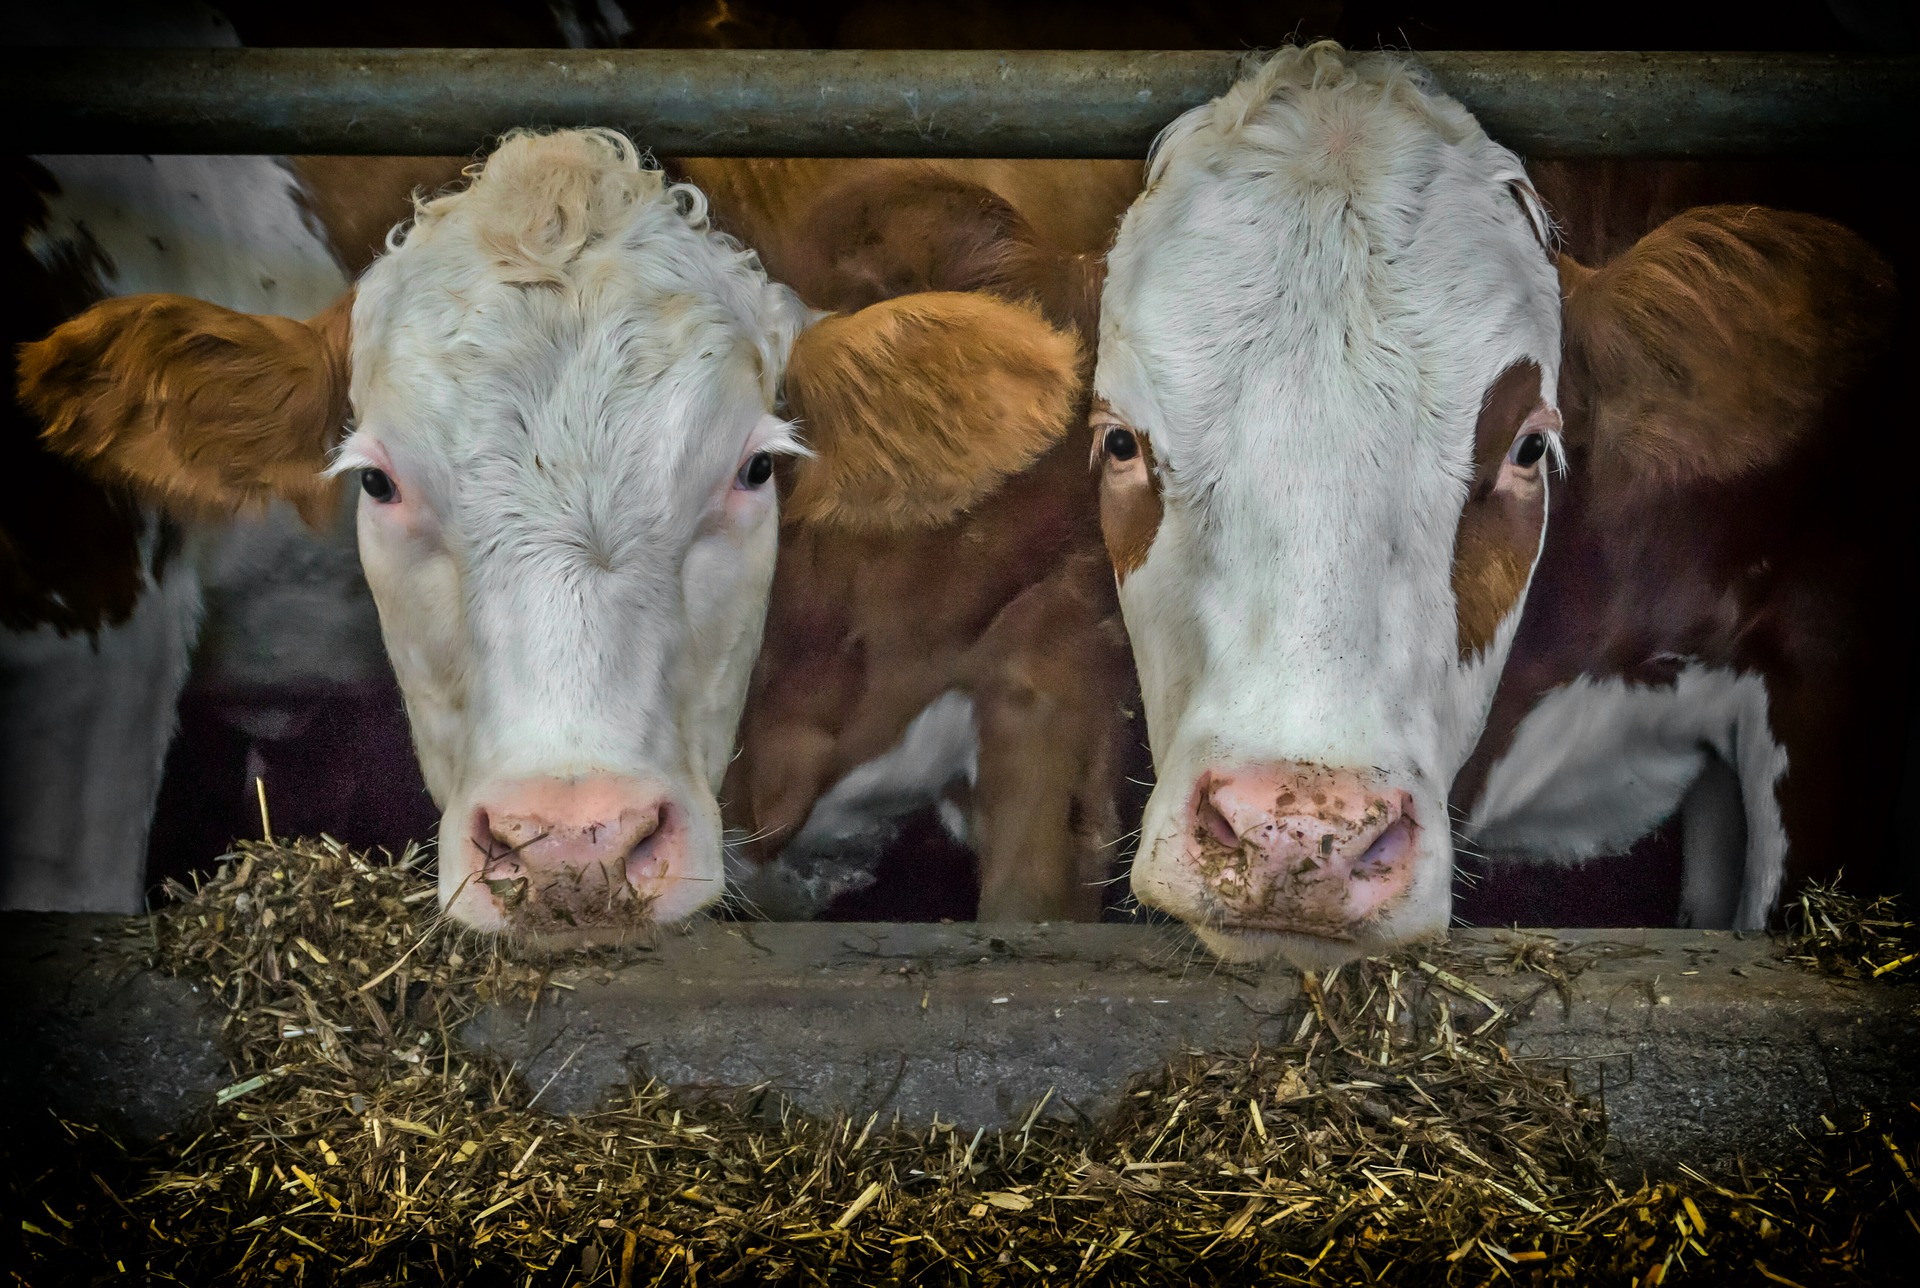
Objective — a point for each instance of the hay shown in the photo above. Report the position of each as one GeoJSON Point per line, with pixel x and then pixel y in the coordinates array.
{"type": "Point", "coordinates": [1392, 1139]}
{"type": "Point", "coordinates": [1851, 936]}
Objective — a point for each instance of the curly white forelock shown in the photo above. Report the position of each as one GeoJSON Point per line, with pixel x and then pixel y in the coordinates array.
{"type": "Point", "coordinates": [562, 210]}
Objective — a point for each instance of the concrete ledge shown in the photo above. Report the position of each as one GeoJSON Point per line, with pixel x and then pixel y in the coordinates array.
{"type": "Point", "coordinates": [93, 1034]}
{"type": "Point", "coordinates": [1703, 1045]}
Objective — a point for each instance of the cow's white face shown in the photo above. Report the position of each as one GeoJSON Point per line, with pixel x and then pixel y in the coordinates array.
{"type": "Point", "coordinates": [563, 388]}
{"type": "Point", "coordinates": [1328, 352]}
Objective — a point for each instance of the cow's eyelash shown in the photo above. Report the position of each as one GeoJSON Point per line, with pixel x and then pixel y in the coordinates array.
{"type": "Point", "coordinates": [350, 455]}
{"type": "Point", "coordinates": [785, 442]}
{"type": "Point", "coordinates": [346, 461]}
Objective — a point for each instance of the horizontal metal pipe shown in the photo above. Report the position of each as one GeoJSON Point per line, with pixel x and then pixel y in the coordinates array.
{"type": "Point", "coordinates": [903, 102]}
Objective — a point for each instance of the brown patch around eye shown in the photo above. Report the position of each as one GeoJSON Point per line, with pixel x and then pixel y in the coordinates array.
{"type": "Point", "coordinates": [1499, 533]}
{"type": "Point", "coordinates": [1129, 498]}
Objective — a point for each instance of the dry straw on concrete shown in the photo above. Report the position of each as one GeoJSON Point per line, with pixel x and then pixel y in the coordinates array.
{"type": "Point", "coordinates": [1393, 1139]}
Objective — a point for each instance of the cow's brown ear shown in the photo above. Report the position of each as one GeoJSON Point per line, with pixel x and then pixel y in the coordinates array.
{"type": "Point", "coordinates": [917, 407]}
{"type": "Point", "coordinates": [1718, 341]}
{"type": "Point", "coordinates": [197, 408]}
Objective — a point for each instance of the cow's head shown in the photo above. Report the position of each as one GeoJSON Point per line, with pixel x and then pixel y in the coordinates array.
{"type": "Point", "coordinates": [560, 396]}
{"type": "Point", "coordinates": [1324, 418]}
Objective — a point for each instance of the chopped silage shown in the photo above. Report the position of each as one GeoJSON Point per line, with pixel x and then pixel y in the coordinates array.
{"type": "Point", "coordinates": [1391, 1139]}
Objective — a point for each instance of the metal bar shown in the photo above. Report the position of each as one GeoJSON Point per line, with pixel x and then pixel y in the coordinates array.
{"type": "Point", "coordinates": [904, 102]}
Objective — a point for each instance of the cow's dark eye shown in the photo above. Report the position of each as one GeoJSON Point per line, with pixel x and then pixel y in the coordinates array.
{"type": "Point", "coordinates": [378, 484]}
{"type": "Point", "coordinates": [1121, 445]}
{"type": "Point", "coordinates": [757, 470]}
{"type": "Point", "coordinates": [1527, 449]}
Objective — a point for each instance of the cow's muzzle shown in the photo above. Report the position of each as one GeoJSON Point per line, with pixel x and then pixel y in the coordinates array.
{"type": "Point", "coordinates": [561, 856]}
{"type": "Point", "coordinates": [1300, 848]}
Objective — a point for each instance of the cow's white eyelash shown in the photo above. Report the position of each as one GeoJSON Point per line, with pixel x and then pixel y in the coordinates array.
{"type": "Point", "coordinates": [783, 441]}
{"type": "Point", "coordinates": [1556, 453]}
{"type": "Point", "coordinates": [347, 463]}
{"type": "Point", "coordinates": [348, 458]}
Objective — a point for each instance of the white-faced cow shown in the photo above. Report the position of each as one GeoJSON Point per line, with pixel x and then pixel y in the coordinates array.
{"type": "Point", "coordinates": [1339, 373]}
{"type": "Point", "coordinates": [565, 397]}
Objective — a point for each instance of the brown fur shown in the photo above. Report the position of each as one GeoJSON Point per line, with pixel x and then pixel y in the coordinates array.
{"type": "Point", "coordinates": [1003, 595]}
{"type": "Point", "coordinates": [914, 226]}
{"type": "Point", "coordinates": [198, 407]}
{"type": "Point", "coordinates": [768, 203]}
{"type": "Point", "coordinates": [918, 407]}
{"type": "Point", "coordinates": [1010, 603]}
{"type": "Point", "coordinates": [1499, 536]}
{"type": "Point", "coordinates": [1708, 349]}
{"type": "Point", "coordinates": [357, 200]}
{"type": "Point", "coordinates": [1733, 499]}
{"type": "Point", "coordinates": [1130, 505]}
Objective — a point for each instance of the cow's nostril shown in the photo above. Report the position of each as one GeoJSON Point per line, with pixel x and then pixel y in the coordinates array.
{"type": "Point", "coordinates": [1387, 850]}
{"type": "Point", "coordinates": [645, 861]}
{"type": "Point", "coordinates": [1215, 823]}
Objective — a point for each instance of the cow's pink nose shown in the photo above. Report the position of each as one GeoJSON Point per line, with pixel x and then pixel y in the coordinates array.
{"type": "Point", "coordinates": [576, 852]}
{"type": "Point", "coordinates": [1300, 847]}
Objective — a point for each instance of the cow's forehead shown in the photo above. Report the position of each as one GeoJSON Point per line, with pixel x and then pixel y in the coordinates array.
{"type": "Point", "coordinates": [641, 372]}
{"type": "Point", "coordinates": [570, 307]}
{"type": "Point", "coordinates": [1326, 242]}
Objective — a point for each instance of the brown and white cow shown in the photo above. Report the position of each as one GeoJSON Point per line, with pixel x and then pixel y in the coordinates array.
{"type": "Point", "coordinates": [1339, 376]}
{"type": "Point", "coordinates": [106, 610]}
{"type": "Point", "coordinates": [918, 649]}
{"type": "Point", "coordinates": [113, 618]}
{"type": "Point", "coordinates": [567, 395]}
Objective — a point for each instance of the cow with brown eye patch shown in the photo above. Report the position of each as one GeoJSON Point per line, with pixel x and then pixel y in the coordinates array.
{"type": "Point", "coordinates": [1528, 449]}
{"type": "Point", "coordinates": [757, 470]}
{"type": "Point", "coordinates": [378, 484]}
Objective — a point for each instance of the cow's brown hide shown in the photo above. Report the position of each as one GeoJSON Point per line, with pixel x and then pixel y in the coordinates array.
{"type": "Point", "coordinates": [1726, 389]}
{"type": "Point", "coordinates": [1498, 535]}
{"type": "Point", "coordinates": [778, 205]}
{"type": "Point", "coordinates": [917, 225]}
{"type": "Point", "coordinates": [1002, 603]}
{"type": "Point", "coordinates": [1005, 598]}
{"type": "Point", "coordinates": [1714, 346]}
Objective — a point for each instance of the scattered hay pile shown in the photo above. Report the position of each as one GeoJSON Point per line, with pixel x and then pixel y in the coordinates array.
{"type": "Point", "coordinates": [1850, 935]}
{"type": "Point", "coordinates": [1391, 1140]}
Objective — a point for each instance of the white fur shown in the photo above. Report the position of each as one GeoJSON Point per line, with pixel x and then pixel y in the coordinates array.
{"type": "Point", "coordinates": [1597, 764]}
{"type": "Point", "coordinates": [84, 728]}
{"type": "Point", "coordinates": [836, 848]}
{"type": "Point", "coordinates": [1327, 272]}
{"type": "Point", "coordinates": [939, 747]}
{"type": "Point", "coordinates": [563, 369]}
